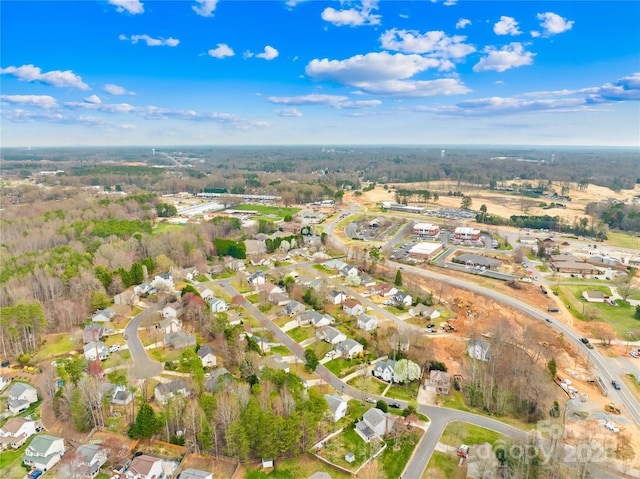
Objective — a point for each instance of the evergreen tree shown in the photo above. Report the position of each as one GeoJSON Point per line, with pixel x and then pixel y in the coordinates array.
{"type": "Point", "coordinates": [398, 281]}
{"type": "Point", "coordinates": [146, 423]}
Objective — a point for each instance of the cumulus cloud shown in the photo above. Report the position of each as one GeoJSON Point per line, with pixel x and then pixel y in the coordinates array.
{"type": "Point", "coordinates": [57, 78]}
{"type": "Point", "coordinates": [624, 89]}
{"type": "Point", "coordinates": [552, 23]}
{"type": "Point", "coordinates": [353, 17]}
{"type": "Point", "coordinates": [134, 7]}
{"type": "Point", "coordinates": [91, 104]}
{"type": "Point", "coordinates": [416, 88]}
{"type": "Point", "coordinates": [93, 99]}
{"type": "Point", "coordinates": [333, 101]}
{"type": "Point", "coordinates": [288, 112]}
{"type": "Point", "coordinates": [41, 101]}
{"type": "Point", "coordinates": [222, 50]}
{"type": "Point", "coordinates": [435, 43]}
{"type": "Point", "coordinates": [205, 8]}
{"type": "Point", "coordinates": [269, 53]}
{"type": "Point", "coordinates": [506, 26]}
{"type": "Point", "coordinates": [150, 41]}
{"type": "Point", "coordinates": [462, 23]}
{"type": "Point", "coordinates": [112, 89]}
{"type": "Point", "coordinates": [509, 56]}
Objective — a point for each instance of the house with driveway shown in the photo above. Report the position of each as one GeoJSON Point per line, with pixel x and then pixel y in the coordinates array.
{"type": "Point", "coordinates": [385, 370]}
{"type": "Point", "coordinates": [218, 305]}
{"type": "Point", "coordinates": [103, 316]}
{"type": "Point", "coordinates": [331, 335]}
{"type": "Point", "coordinates": [96, 350]}
{"type": "Point", "coordinates": [374, 423]}
{"type": "Point", "coordinates": [350, 348]}
{"type": "Point", "coordinates": [92, 332]}
{"type": "Point", "coordinates": [352, 307]}
{"type": "Point", "coordinates": [367, 322]}
{"type": "Point", "coordinates": [164, 392]}
{"type": "Point", "coordinates": [44, 452]}
{"type": "Point", "coordinates": [315, 319]}
{"type": "Point", "coordinates": [88, 459]}
{"type": "Point", "coordinates": [20, 396]}
{"type": "Point", "coordinates": [145, 467]}
{"type": "Point", "coordinates": [208, 356]}
{"type": "Point", "coordinates": [336, 297]}
{"type": "Point", "coordinates": [424, 311]}
{"type": "Point", "coordinates": [16, 431]}
{"type": "Point", "coordinates": [337, 406]}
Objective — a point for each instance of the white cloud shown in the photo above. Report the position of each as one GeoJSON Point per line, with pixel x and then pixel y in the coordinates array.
{"type": "Point", "coordinates": [247, 54]}
{"type": "Point", "coordinates": [293, 3]}
{"type": "Point", "coordinates": [112, 89]}
{"type": "Point", "coordinates": [509, 56]}
{"type": "Point", "coordinates": [93, 99]}
{"type": "Point", "coordinates": [25, 116]}
{"type": "Point", "coordinates": [552, 23]}
{"type": "Point", "coordinates": [506, 26]}
{"type": "Point", "coordinates": [150, 41]}
{"type": "Point", "coordinates": [288, 112]}
{"type": "Point", "coordinates": [450, 3]}
{"type": "Point", "coordinates": [134, 7]}
{"type": "Point", "coordinates": [436, 43]}
{"type": "Point", "coordinates": [205, 8]}
{"type": "Point", "coordinates": [535, 33]}
{"type": "Point", "coordinates": [57, 78]}
{"type": "Point", "coordinates": [624, 89]}
{"type": "Point", "coordinates": [88, 104]}
{"type": "Point", "coordinates": [416, 89]}
{"type": "Point", "coordinates": [333, 101]}
{"type": "Point", "coordinates": [462, 23]}
{"type": "Point", "coordinates": [41, 101]}
{"type": "Point", "coordinates": [354, 17]}
{"type": "Point", "coordinates": [222, 50]}
{"type": "Point", "coordinates": [269, 53]}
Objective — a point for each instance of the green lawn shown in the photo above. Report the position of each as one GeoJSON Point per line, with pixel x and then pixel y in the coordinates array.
{"type": "Point", "coordinates": [404, 392]}
{"type": "Point", "coordinates": [443, 465]}
{"type": "Point", "coordinates": [300, 467]}
{"type": "Point", "coordinates": [341, 367]}
{"type": "Point", "coordinates": [267, 210]}
{"type": "Point", "coordinates": [623, 240]}
{"type": "Point", "coordinates": [394, 461]}
{"type": "Point", "coordinates": [11, 463]}
{"type": "Point", "coordinates": [281, 350]}
{"type": "Point", "coordinates": [458, 432]}
{"type": "Point", "coordinates": [299, 334]}
{"type": "Point", "coordinates": [57, 345]}
{"type": "Point", "coordinates": [370, 385]}
{"type": "Point", "coordinates": [164, 227]}
{"type": "Point", "coordinates": [252, 298]}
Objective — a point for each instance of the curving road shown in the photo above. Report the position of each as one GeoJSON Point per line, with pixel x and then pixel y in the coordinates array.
{"type": "Point", "coordinates": [143, 366]}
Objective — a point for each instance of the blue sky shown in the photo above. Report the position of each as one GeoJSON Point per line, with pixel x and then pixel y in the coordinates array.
{"type": "Point", "coordinates": [207, 72]}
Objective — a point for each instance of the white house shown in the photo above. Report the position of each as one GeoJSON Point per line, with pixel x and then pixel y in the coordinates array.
{"type": "Point", "coordinates": [169, 325]}
{"type": "Point", "coordinates": [104, 315]}
{"type": "Point", "coordinates": [478, 349]}
{"type": "Point", "coordinates": [205, 292]}
{"type": "Point", "coordinates": [20, 397]}
{"type": "Point", "coordinates": [367, 322]}
{"type": "Point", "coordinates": [189, 273]}
{"type": "Point", "coordinates": [191, 473]}
{"type": "Point", "coordinates": [44, 452]}
{"type": "Point", "coordinates": [347, 270]}
{"type": "Point", "coordinates": [294, 307]}
{"type": "Point", "coordinates": [385, 370]}
{"type": "Point", "coordinates": [172, 310]}
{"type": "Point", "coordinates": [163, 392]}
{"type": "Point", "coordinates": [16, 431]}
{"type": "Point", "coordinates": [336, 297]}
{"type": "Point", "coordinates": [367, 281]}
{"type": "Point", "coordinates": [279, 299]}
{"type": "Point", "coordinates": [402, 299]}
{"type": "Point", "coordinates": [89, 458]}
{"type": "Point", "coordinates": [334, 264]}
{"type": "Point", "coordinates": [256, 279]}
{"type": "Point", "coordinates": [331, 335]}
{"type": "Point", "coordinates": [96, 350]}
{"type": "Point", "coordinates": [374, 423]}
{"type": "Point", "coordinates": [208, 356]}
{"type": "Point", "coordinates": [350, 348]}
{"type": "Point", "coordinates": [144, 467]}
{"type": "Point", "coordinates": [424, 311]}
{"type": "Point", "coordinates": [4, 382]}
{"type": "Point", "coordinates": [144, 289]}
{"type": "Point", "coordinates": [218, 305]}
{"type": "Point", "coordinates": [352, 308]}
{"type": "Point", "coordinates": [337, 406]}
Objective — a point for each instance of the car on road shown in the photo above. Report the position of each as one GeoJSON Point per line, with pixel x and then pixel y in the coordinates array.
{"type": "Point", "coordinates": [548, 320]}
{"type": "Point", "coordinates": [114, 348]}
{"type": "Point", "coordinates": [431, 325]}
{"type": "Point", "coordinates": [555, 292]}
{"type": "Point", "coordinates": [584, 340]}
{"type": "Point", "coordinates": [126, 337]}
{"type": "Point", "coordinates": [394, 405]}
{"type": "Point", "coordinates": [634, 354]}
{"type": "Point", "coordinates": [615, 384]}
{"type": "Point", "coordinates": [371, 400]}
{"type": "Point", "coordinates": [35, 474]}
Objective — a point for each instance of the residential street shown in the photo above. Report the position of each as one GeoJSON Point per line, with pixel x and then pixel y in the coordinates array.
{"type": "Point", "coordinates": [143, 366]}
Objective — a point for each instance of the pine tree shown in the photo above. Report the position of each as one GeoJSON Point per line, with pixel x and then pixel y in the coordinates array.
{"type": "Point", "coordinates": [146, 423]}
{"type": "Point", "coordinates": [398, 281]}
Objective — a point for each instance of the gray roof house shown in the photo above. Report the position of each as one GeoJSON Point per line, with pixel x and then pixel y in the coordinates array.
{"type": "Point", "coordinates": [179, 340]}
{"type": "Point", "coordinates": [331, 335]}
{"type": "Point", "coordinates": [374, 423]}
{"type": "Point", "coordinates": [294, 307]}
{"type": "Point", "coordinates": [479, 349]}
{"type": "Point", "coordinates": [440, 381]}
{"type": "Point", "coordinates": [350, 348]}
{"type": "Point", "coordinates": [385, 370]}
{"type": "Point", "coordinates": [195, 474]}
{"type": "Point", "coordinates": [163, 392]}
{"type": "Point", "coordinates": [89, 458]}
{"type": "Point", "coordinates": [96, 350]}
{"type": "Point", "coordinates": [337, 406]}
{"type": "Point", "coordinates": [367, 322]}
{"type": "Point", "coordinates": [21, 396]}
{"type": "Point", "coordinates": [216, 379]}
{"type": "Point", "coordinates": [208, 356]}
{"type": "Point", "coordinates": [104, 315]}
{"type": "Point", "coordinates": [92, 332]}
{"type": "Point", "coordinates": [44, 452]}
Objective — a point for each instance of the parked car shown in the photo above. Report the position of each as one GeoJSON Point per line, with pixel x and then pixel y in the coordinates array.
{"type": "Point", "coordinates": [35, 474]}
{"type": "Point", "coordinates": [371, 400]}
{"type": "Point", "coordinates": [431, 325]}
{"type": "Point", "coordinates": [5, 364]}
{"type": "Point", "coordinates": [114, 348]}
{"type": "Point", "coordinates": [615, 384]}
{"type": "Point", "coordinates": [394, 405]}
{"type": "Point", "coordinates": [584, 340]}
{"type": "Point", "coordinates": [634, 354]}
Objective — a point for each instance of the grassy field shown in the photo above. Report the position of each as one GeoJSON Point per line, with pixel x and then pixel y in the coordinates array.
{"type": "Point", "coordinates": [404, 392]}
{"type": "Point", "coordinates": [623, 240]}
{"type": "Point", "coordinates": [443, 465]}
{"type": "Point", "coordinates": [300, 334]}
{"type": "Point", "coordinates": [164, 227]}
{"type": "Point", "coordinates": [11, 463]}
{"type": "Point", "coordinates": [57, 345]}
{"type": "Point", "coordinates": [268, 210]}
{"type": "Point", "coordinates": [458, 432]}
{"type": "Point", "coordinates": [393, 461]}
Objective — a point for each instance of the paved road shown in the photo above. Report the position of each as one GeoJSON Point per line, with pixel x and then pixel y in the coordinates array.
{"type": "Point", "coordinates": [143, 367]}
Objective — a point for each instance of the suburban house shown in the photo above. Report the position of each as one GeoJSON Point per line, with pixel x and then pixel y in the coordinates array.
{"type": "Point", "coordinates": [191, 473]}
{"type": "Point", "coordinates": [402, 299]}
{"type": "Point", "coordinates": [120, 394]}
{"type": "Point", "coordinates": [316, 319]}
{"type": "Point", "coordinates": [275, 362]}
{"type": "Point", "coordinates": [279, 299]}
{"type": "Point", "coordinates": [385, 290]}
{"type": "Point", "coordinates": [126, 297]}
{"type": "Point", "coordinates": [594, 296]}
{"type": "Point", "coordinates": [204, 291]}
{"type": "Point", "coordinates": [269, 288]}
{"type": "Point", "coordinates": [337, 406]}
{"type": "Point", "coordinates": [294, 307]}
{"type": "Point", "coordinates": [367, 281]}
{"type": "Point", "coordinates": [21, 396]}
{"type": "Point", "coordinates": [145, 467]}
{"type": "Point", "coordinates": [103, 316]}
{"type": "Point", "coordinates": [218, 305]}
{"type": "Point", "coordinates": [263, 344]}
{"type": "Point", "coordinates": [208, 356]}
{"type": "Point", "coordinates": [478, 349]}
{"type": "Point", "coordinates": [335, 264]}
{"type": "Point", "coordinates": [331, 335]}
{"type": "Point", "coordinates": [4, 382]}
{"type": "Point", "coordinates": [169, 325]}
{"type": "Point", "coordinates": [348, 270]}
{"type": "Point", "coordinates": [172, 310]}
{"type": "Point", "coordinates": [165, 278]}
{"type": "Point", "coordinates": [163, 392]}
{"type": "Point", "coordinates": [92, 332]}
{"type": "Point", "coordinates": [212, 384]}
{"type": "Point", "coordinates": [352, 308]}
{"type": "Point", "coordinates": [189, 273]}
{"type": "Point", "coordinates": [96, 350]}
{"type": "Point", "coordinates": [374, 423]}
{"type": "Point", "coordinates": [385, 370]}
{"type": "Point", "coordinates": [336, 297]}
{"type": "Point", "coordinates": [440, 381]}
{"type": "Point", "coordinates": [44, 452]}
{"type": "Point", "coordinates": [15, 432]}
{"type": "Point", "coordinates": [257, 278]}
{"type": "Point", "coordinates": [144, 289]}
{"type": "Point", "coordinates": [350, 348]}
{"type": "Point", "coordinates": [88, 459]}
{"type": "Point", "coordinates": [424, 311]}
{"type": "Point", "coordinates": [367, 322]}
{"type": "Point", "coordinates": [179, 340]}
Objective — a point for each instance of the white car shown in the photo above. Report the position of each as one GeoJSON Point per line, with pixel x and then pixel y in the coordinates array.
{"type": "Point", "coordinates": [114, 348]}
